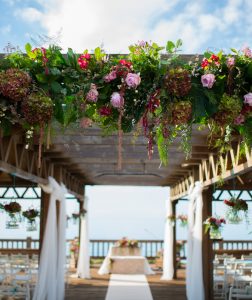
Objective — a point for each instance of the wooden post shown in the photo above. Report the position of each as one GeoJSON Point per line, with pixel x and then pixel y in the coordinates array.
{"type": "Point", "coordinates": [44, 206]}
{"type": "Point", "coordinates": [174, 242]}
{"type": "Point", "coordinates": [207, 247]}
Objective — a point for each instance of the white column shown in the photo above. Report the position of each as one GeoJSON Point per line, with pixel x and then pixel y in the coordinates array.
{"type": "Point", "coordinates": [83, 267]}
{"type": "Point", "coordinates": [195, 286]}
{"type": "Point", "coordinates": [168, 268]}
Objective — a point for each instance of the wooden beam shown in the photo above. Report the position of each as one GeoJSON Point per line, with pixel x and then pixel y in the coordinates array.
{"type": "Point", "coordinates": [207, 247]}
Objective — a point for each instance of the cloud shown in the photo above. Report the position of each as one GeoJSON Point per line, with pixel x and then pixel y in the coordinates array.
{"type": "Point", "coordinates": [5, 29]}
{"type": "Point", "coordinates": [116, 24]}
{"type": "Point", "coordinates": [29, 14]}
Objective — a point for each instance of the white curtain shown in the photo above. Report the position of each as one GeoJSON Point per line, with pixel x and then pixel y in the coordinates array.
{"type": "Point", "coordinates": [168, 267]}
{"type": "Point", "coordinates": [83, 267]}
{"type": "Point", "coordinates": [50, 284]}
{"type": "Point", "coordinates": [194, 274]}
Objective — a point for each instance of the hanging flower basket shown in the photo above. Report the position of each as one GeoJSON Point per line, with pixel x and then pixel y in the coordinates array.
{"type": "Point", "coordinates": [172, 219]}
{"type": "Point", "coordinates": [183, 220]}
{"type": "Point", "coordinates": [13, 209]}
{"type": "Point", "coordinates": [214, 225]}
{"type": "Point", "coordinates": [31, 215]}
{"type": "Point", "coordinates": [237, 210]}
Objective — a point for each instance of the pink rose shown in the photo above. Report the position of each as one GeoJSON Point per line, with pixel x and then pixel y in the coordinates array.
{"type": "Point", "coordinates": [109, 77]}
{"type": "Point", "coordinates": [247, 52]}
{"type": "Point", "coordinates": [208, 80]}
{"type": "Point", "coordinates": [92, 95]}
{"type": "Point", "coordinates": [85, 122]}
{"type": "Point", "coordinates": [239, 120]}
{"type": "Point", "coordinates": [230, 62]}
{"type": "Point", "coordinates": [133, 80]}
{"type": "Point", "coordinates": [117, 100]}
{"type": "Point", "coordinates": [248, 99]}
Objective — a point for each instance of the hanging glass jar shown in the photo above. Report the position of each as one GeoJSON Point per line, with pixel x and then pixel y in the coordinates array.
{"type": "Point", "coordinates": [215, 233]}
{"type": "Point", "coordinates": [234, 216]}
{"type": "Point", "coordinates": [12, 221]}
{"type": "Point", "coordinates": [31, 225]}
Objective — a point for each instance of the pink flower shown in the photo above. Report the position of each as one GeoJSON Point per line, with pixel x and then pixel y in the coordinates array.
{"type": "Point", "coordinates": [208, 80]}
{"type": "Point", "coordinates": [247, 52]}
{"type": "Point", "coordinates": [83, 63]}
{"type": "Point", "coordinates": [248, 99]}
{"type": "Point", "coordinates": [85, 122]}
{"type": "Point", "coordinates": [86, 56]}
{"type": "Point", "coordinates": [109, 77]}
{"type": "Point", "coordinates": [117, 100]}
{"type": "Point", "coordinates": [92, 95]}
{"type": "Point", "coordinates": [133, 80]}
{"type": "Point", "coordinates": [239, 120]}
{"type": "Point", "coordinates": [230, 62]}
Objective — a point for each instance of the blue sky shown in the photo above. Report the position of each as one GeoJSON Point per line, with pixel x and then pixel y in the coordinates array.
{"type": "Point", "coordinates": [82, 24]}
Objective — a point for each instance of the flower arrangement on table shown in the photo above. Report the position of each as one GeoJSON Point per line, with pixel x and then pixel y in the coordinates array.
{"type": "Point", "coordinates": [214, 225]}
{"type": "Point", "coordinates": [166, 96]}
{"type": "Point", "coordinates": [183, 220]}
{"type": "Point", "coordinates": [235, 207]}
{"type": "Point", "coordinates": [125, 242]}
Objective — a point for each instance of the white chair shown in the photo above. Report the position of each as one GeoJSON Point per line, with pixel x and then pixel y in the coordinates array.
{"type": "Point", "coordinates": [237, 294]}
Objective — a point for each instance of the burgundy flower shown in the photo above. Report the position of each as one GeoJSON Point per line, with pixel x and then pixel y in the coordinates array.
{"type": "Point", "coordinates": [105, 111]}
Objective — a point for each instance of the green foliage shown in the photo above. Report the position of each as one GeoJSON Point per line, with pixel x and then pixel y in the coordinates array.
{"type": "Point", "coordinates": [158, 96]}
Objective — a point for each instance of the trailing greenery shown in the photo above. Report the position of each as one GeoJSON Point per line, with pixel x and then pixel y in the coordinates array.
{"type": "Point", "coordinates": [165, 94]}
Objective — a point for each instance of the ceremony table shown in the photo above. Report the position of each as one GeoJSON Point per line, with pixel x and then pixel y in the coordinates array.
{"type": "Point", "coordinates": [126, 261]}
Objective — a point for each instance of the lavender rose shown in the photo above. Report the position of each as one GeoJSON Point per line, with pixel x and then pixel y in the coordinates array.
{"type": "Point", "coordinates": [132, 80]}
{"type": "Point", "coordinates": [208, 80]}
{"type": "Point", "coordinates": [247, 52]}
{"type": "Point", "coordinates": [92, 95]}
{"type": "Point", "coordinates": [117, 100]}
{"type": "Point", "coordinates": [248, 99]}
{"type": "Point", "coordinates": [111, 76]}
{"type": "Point", "coordinates": [239, 120]}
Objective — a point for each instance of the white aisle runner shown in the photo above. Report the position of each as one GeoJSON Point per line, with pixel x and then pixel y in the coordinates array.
{"type": "Point", "coordinates": [128, 287]}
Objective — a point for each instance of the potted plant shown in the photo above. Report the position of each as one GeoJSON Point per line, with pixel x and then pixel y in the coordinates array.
{"type": "Point", "coordinates": [30, 215]}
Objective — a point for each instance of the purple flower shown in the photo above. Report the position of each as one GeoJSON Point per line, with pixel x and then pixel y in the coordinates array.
{"type": "Point", "coordinates": [208, 80]}
{"type": "Point", "coordinates": [142, 43]}
{"type": "Point", "coordinates": [109, 77]}
{"type": "Point", "coordinates": [230, 62]}
{"type": "Point", "coordinates": [132, 80]}
{"type": "Point", "coordinates": [248, 99]}
{"type": "Point", "coordinates": [117, 100]}
{"type": "Point", "coordinates": [247, 52]}
{"type": "Point", "coordinates": [239, 120]}
{"type": "Point", "coordinates": [92, 95]}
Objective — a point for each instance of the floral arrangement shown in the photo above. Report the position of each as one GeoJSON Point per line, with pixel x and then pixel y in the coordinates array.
{"type": "Point", "coordinates": [172, 219]}
{"type": "Point", "coordinates": [183, 220]}
{"type": "Point", "coordinates": [214, 224]}
{"type": "Point", "coordinates": [74, 246]}
{"type": "Point", "coordinates": [12, 207]}
{"type": "Point", "coordinates": [235, 206]}
{"type": "Point", "coordinates": [125, 242]}
{"type": "Point", "coordinates": [31, 214]}
{"type": "Point", "coordinates": [166, 95]}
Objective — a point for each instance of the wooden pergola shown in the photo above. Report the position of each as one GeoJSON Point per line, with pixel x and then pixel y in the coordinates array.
{"type": "Point", "coordinates": [79, 157]}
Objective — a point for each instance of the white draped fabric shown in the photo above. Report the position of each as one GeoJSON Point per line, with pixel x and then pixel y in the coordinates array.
{"type": "Point", "coordinates": [168, 268]}
{"type": "Point", "coordinates": [194, 272]}
{"type": "Point", "coordinates": [83, 267]}
{"type": "Point", "coordinates": [50, 285]}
